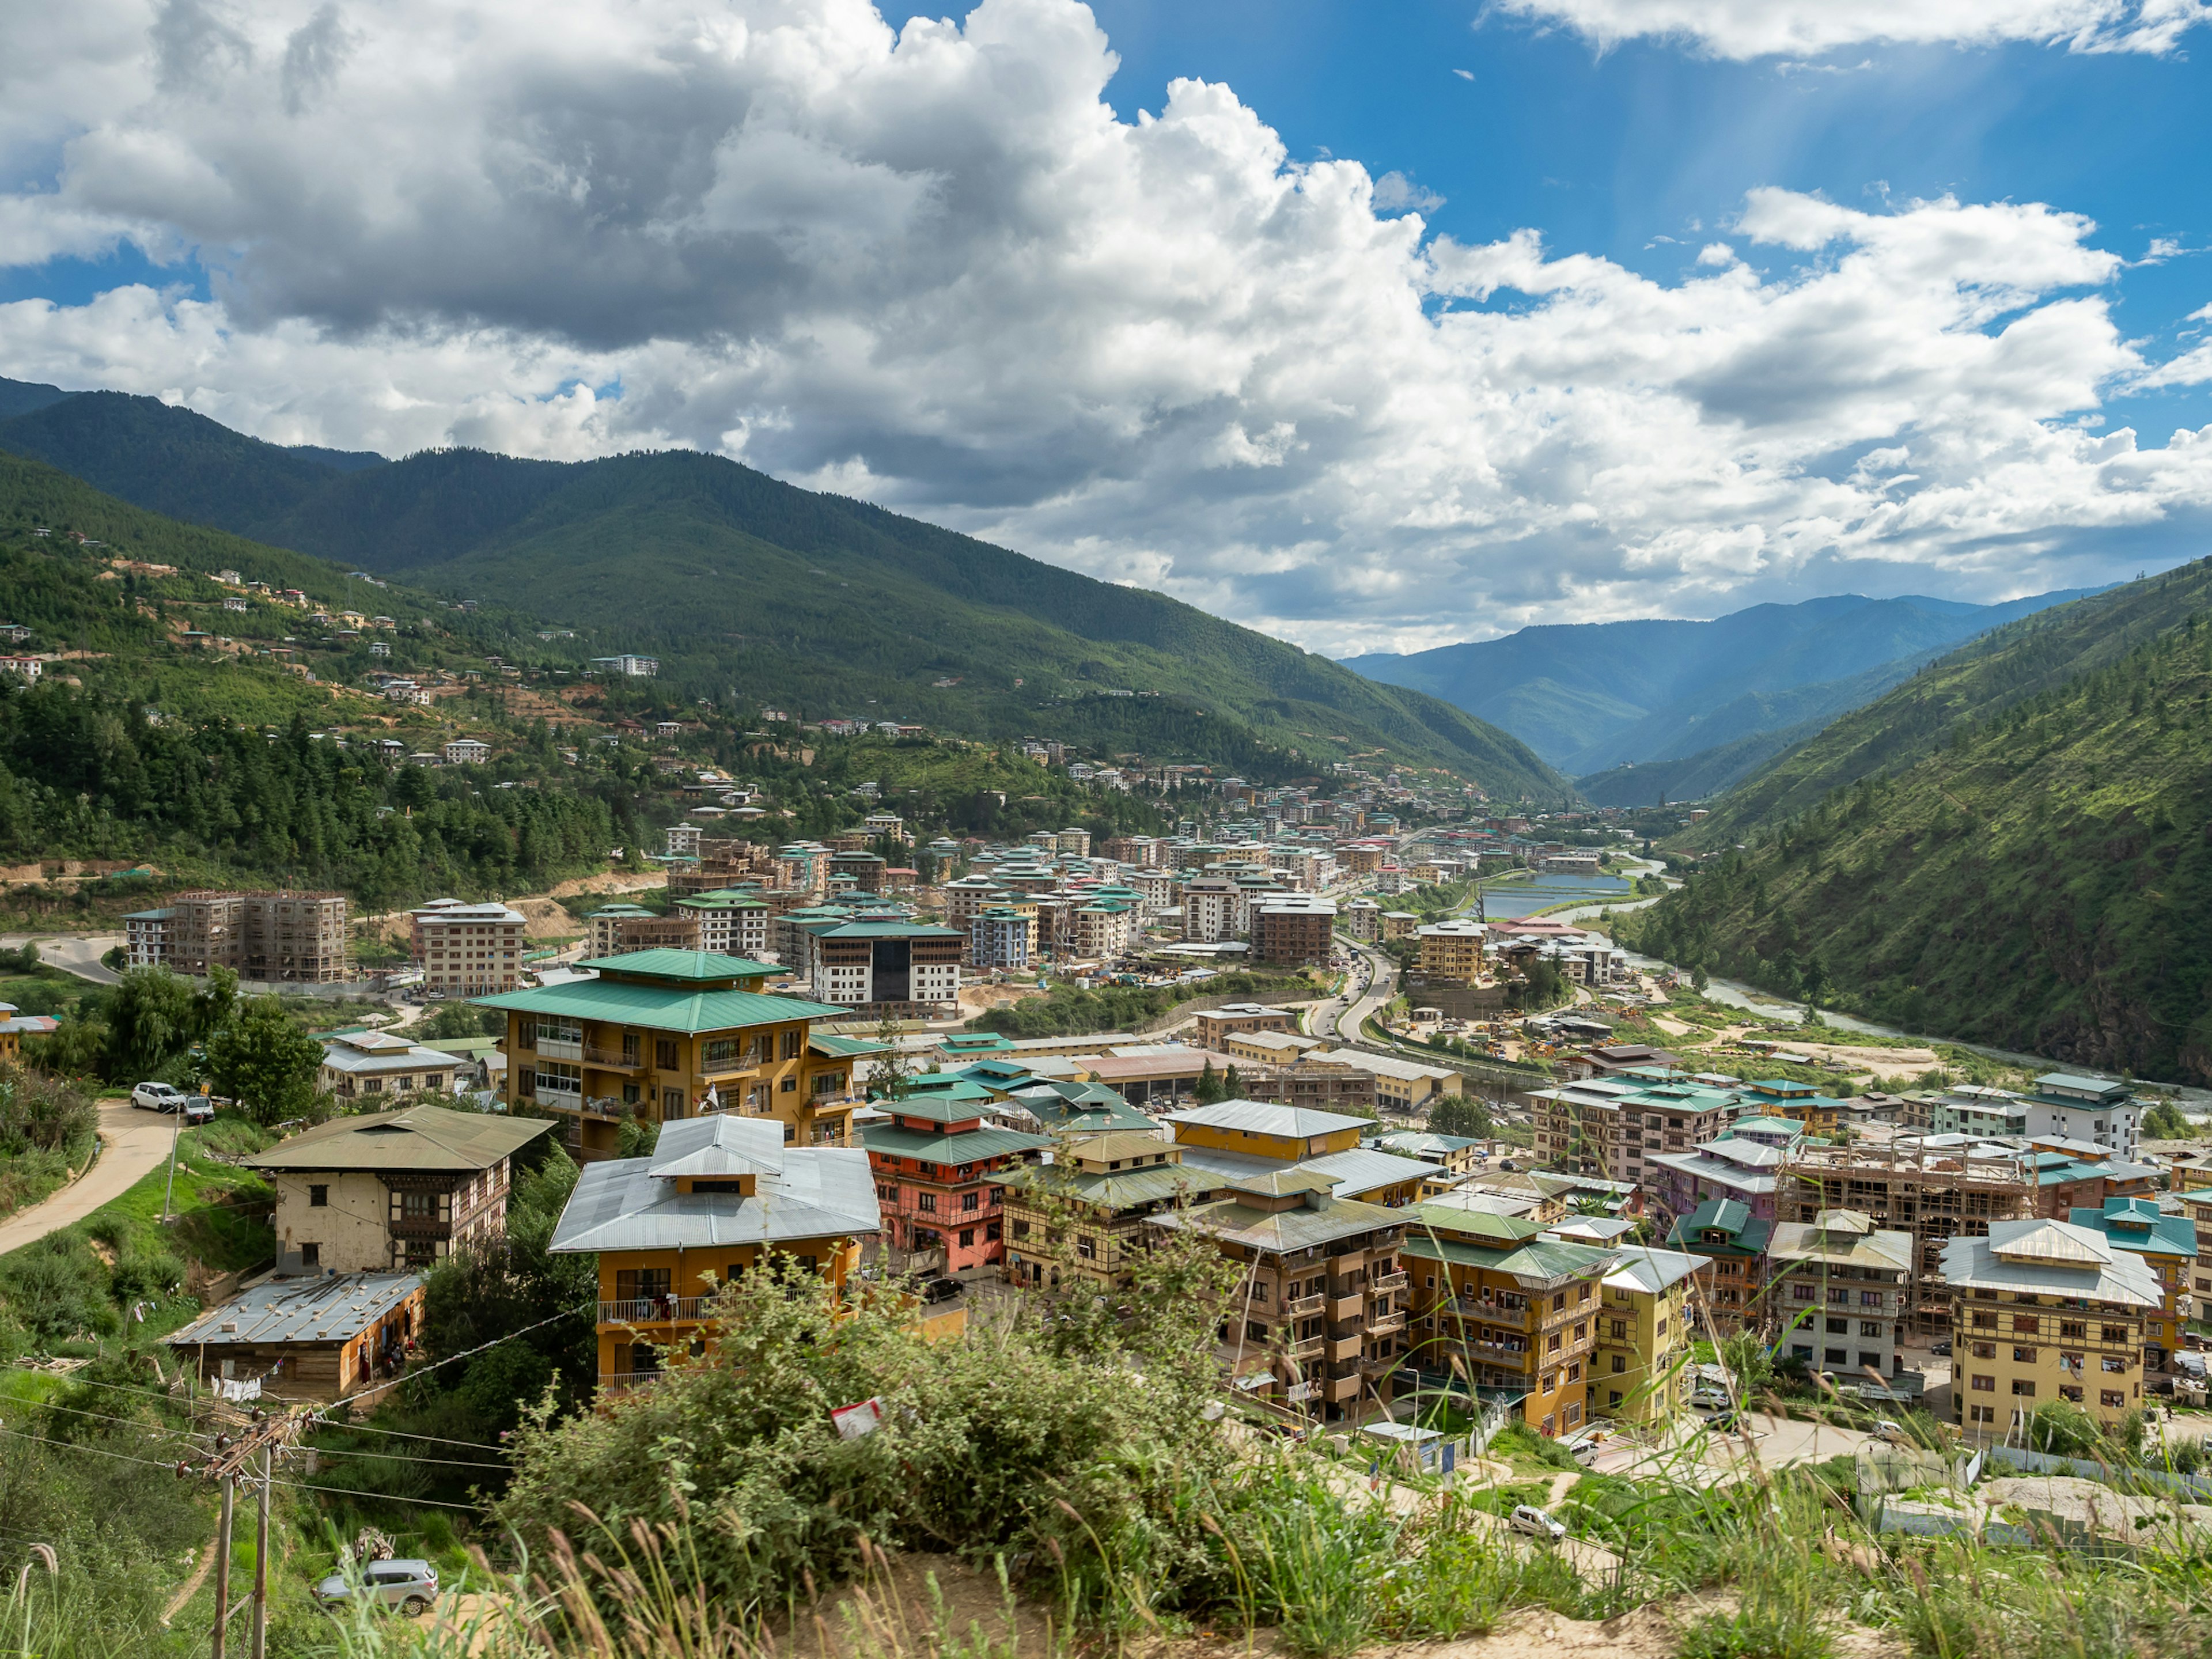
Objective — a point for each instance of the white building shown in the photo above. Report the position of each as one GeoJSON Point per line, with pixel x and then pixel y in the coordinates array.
{"type": "Point", "coordinates": [2062, 1106]}
{"type": "Point", "coordinates": [467, 751]}
{"type": "Point", "coordinates": [633, 668]}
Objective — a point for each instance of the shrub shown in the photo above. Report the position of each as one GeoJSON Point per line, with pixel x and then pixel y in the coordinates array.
{"type": "Point", "coordinates": [57, 1288]}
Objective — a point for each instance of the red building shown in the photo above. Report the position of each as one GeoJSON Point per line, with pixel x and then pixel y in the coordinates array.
{"type": "Point", "coordinates": [930, 1161]}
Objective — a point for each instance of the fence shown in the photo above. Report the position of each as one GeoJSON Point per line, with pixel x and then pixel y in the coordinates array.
{"type": "Point", "coordinates": [2035, 1462]}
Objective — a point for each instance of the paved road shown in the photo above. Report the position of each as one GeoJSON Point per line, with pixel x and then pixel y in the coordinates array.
{"type": "Point", "coordinates": [74, 953]}
{"type": "Point", "coordinates": [1339, 1017]}
{"type": "Point", "coordinates": [133, 1142]}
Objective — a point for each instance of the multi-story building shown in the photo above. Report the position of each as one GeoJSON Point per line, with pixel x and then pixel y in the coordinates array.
{"type": "Point", "coordinates": [716, 1196]}
{"type": "Point", "coordinates": [361, 1068]}
{"type": "Point", "coordinates": [619, 929]}
{"type": "Point", "coordinates": [1216, 1025]}
{"type": "Point", "coordinates": [468, 949]}
{"type": "Point", "coordinates": [467, 751]}
{"type": "Point", "coordinates": [1306, 1080]}
{"type": "Point", "coordinates": [720, 863]}
{"type": "Point", "coordinates": [1296, 931]}
{"type": "Point", "coordinates": [1726, 1233]}
{"type": "Point", "coordinates": [1936, 1191]}
{"type": "Point", "coordinates": [896, 966]}
{"type": "Point", "coordinates": [2168, 1245]}
{"type": "Point", "coordinates": [669, 1034]}
{"type": "Point", "coordinates": [1619, 1129]}
{"type": "Point", "coordinates": [1404, 1086]}
{"type": "Point", "coordinates": [1451, 952]}
{"type": "Point", "coordinates": [1972, 1108]}
{"type": "Point", "coordinates": [1210, 905]}
{"type": "Point", "coordinates": [933, 1161]}
{"type": "Point", "coordinates": [388, 1192]}
{"type": "Point", "coordinates": [1002, 936]}
{"type": "Point", "coordinates": [1505, 1309]}
{"type": "Point", "coordinates": [733, 922]}
{"type": "Point", "coordinates": [1361, 919]}
{"type": "Point", "coordinates": [1248, 1137]}
{"type": "Point", "coordinates": [2085, 1108]}
{"type": "Point", "coordinates": [1642, 1370]}
{"type": "Point", "coordinates": [2043, 1311]}
{"type": "Point", "coordinates": [1841, 1286]}
{"type": "Point", "coordinates": [1398, 924]}
{"type": "Point", "coordinates": [1318, 1310]}
{"type": "Point", "coordinates": [1105, 928]}
{"type": "Point", "coordinates": [266, 937]}
{"type": "Point", "coordinates": [1083, 1215]}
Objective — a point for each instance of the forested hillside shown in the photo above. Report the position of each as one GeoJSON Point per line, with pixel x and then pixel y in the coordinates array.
{"type": "Point", "coordinates": [748, 588]}
{"type": "Point", "coordinates": [2018, 850]}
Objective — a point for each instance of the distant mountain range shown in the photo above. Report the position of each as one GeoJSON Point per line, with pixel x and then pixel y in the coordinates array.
{"type": "Point", "coordinates": [1699, 703]}
{"type": "Point", "coordinates": [746, 587]}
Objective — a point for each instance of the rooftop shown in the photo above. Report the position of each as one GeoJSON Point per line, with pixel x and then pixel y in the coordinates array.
{"type": "Point", "coordinates": [335, 1308]}
{"type": "Point", "coordinates": [425, 1138]}
{"type": "Point", "coordinates": [1266, 1118]}
{"type": "Point", "coordinates": [667, 1005]}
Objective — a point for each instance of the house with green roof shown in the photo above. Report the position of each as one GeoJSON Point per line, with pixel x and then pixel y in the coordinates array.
{"type": "Point", "coordinates": [665, 1034]}
{"type": "Point", "coordinates": [2167, 1243]}
{"type": "Point", "coordinates": [1726, 1233]}
{"type": "Point", "coordinates": [933, 1156]}
{"type": "Point", "coordinates": [1081, 1218]}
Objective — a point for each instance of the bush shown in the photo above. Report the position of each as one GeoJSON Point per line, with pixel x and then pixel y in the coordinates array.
{"type": "Point", "coordinates": [57, 1289]}
{"type": "Point", "coordinates": [45, 1114]}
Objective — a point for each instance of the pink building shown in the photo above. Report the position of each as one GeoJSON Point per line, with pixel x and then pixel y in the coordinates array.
{"type": "Point", "coordinates": [930, 1161]}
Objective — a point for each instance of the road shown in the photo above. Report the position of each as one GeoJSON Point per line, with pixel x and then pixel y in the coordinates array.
{"type": "Point", "coordinates": [1340, 1016]}
{"type": "Point", "coordinates": [73, 953]}
{"type": "Point", "coordinates": [133, 1144]}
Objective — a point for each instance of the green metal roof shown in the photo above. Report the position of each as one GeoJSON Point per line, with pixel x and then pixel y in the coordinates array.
{"type": "Point", "coordinates": [2151, 1233]}
{"type": "Point", "coordinates": [842, 1048]}
{"type": "Point", "coordinates": [955, 1100]}
{"type": "Point", "coordinates": [1121, 1189]}
{"type": "Point", "coordinates": [659, 1008]}
{"type": "Point", "coordinates": [688, 965]}
{"type": "Point", "coordinates": [1544, 1260]}
{"type": "Point", "coordinates": [970, 1146]}
{"type": "Point", "coordinates": [1503, 1231]}
{"type": "Point", "coordinates": [1283, 1230]}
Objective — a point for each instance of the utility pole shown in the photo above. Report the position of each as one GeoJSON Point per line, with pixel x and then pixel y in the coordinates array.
{"type": "Point", "coordinates": [251, 1457]}
{"type": "Point", "coordinates": [222, 1566]}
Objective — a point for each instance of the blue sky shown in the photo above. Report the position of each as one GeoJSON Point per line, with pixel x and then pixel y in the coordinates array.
{"type": "Point", "coordinates": [931, 269]}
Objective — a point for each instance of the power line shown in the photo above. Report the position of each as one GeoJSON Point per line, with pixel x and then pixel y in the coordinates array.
{"type": "Point", "coordinates": [299, 1485]}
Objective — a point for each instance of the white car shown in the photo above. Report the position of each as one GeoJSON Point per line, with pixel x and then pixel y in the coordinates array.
{"type": "Point", "coordinates": [410, 1586]}
{"type": "Point", "coordinates": [1527, 1517]}
{"type": "Point", "coordinates": [159, 1097]}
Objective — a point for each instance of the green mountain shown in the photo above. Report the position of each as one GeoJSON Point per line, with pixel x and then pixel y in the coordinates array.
{"type": "Point", "coordinates": [753, 589]}
{"type": "Point", "coordinates": [1590, 696]}
{"type": "Point", "coordinates": [2010, 848]}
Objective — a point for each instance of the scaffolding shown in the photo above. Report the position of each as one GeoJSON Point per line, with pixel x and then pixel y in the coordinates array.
{"type": "Point", "coordinates": [1935, 1194]}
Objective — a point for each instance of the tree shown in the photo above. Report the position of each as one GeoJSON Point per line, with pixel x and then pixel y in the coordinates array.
{"type": "Point", "coordinates": [890, 1073]}
{"type": "Point", "coordinates": [2165, 1121]}
{"type": "Point", "coordinates": [1750, 1361]}
{"type": "Point", "coordinates": [1232, 1086]}
{"type": "Point", "coordinates": [264, 1061]}
{"type": "Point", "coordinates": [1208, 1089]}
{"type": "Point", "coordinates": [1456, 1114]}
{"type": "Point", "coordinates": [150, 1022]}
{"type": "Point", "coordinates": [1699, 979]}
{"type": "Point", "coordinates": [462, 1019]}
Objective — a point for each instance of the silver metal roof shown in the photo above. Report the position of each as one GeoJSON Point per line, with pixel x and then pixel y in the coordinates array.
{"type": "Point", "coordinates": [820, 1192]}
{"type": "Point", "coordinates": [336, 1308]}
{"type": "Point", "coordinates": [1973, 1264]}
{"type": "Point", "coordinates": [1266, 1118]}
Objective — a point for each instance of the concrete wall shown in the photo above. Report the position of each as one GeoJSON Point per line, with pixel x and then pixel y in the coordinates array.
{"type": "Point", "coordinates": [352, 1232]}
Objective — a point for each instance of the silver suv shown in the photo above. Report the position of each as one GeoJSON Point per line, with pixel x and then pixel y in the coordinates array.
{"type": "Point", "coordinates": [411, 1586]}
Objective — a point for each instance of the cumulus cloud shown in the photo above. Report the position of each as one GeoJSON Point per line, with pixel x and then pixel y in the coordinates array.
{"type": "Point", "coordinates": [931, 266]}
{"type": "Point", "coordinates": [1794, 28]}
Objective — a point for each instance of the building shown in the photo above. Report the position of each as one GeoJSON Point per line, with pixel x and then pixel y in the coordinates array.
{"type": "Point", "coordinates": [2085, 1108]}
{"type": "Point", "coordinates": [1216, 1025]}
{"type": "Point", "coordinates": [1726, 1233]}
{"type": "Point", "coordinates": [1842, 1286]}
{"type": "Point", "coordinates": [1270, 1048]}
{"type": "Point", "coordinates": [1398, 924]}
{"type": "Point", "coordinates": [1083, 1215]}
{"type": "Point", "coordinates": [714, 1199]}
{"type": "Point", "coordinates": [732, 923]}
{"type": "Point", "coordinates": [933, 1161]}
{"type": "Point", "coordinates": [1237, 1138]}
{"type": "Point", "coordinates": [1451, 952]}
{"type": "Point", "coordinates": [623, 929]}
{"type": "Point", "coordinates": [1405, 1087]}
{"type": "Point", "coordinates": [1294, 932]}
{"type": "Point", "coordinates": [893, 966]}
{"type": "Point", "coordinates": [1361, 919]}
{"type": "Point", "coordinates": [468, 949]}
{"type": "Point", "coordinates": [1316, 1317]}
{"type": "Point", "coordinates": [146, 937]}
{"type": "Point", "coordinates": [265, 937]}
{"type": "Point", "coordinates": [1504, 1310]}
{"type": "Point", "coordinates": [2167, 1243]}
{"type": "Point", "coordinates": [1309, 1080]}
{"type": "Point", "coordinates": [1972, 1108]}
{"type": "Point", "coordinates": [1621, 1128]}
{"type": "Point", "coordinates": [467, 751]}
{"type": "Point", "coordinates": [2044, 1310]}
{"type": "Point", "coordinates": [669, 1035]}
{"type": "Point", "coordinates": [310, 1340]}
{"type": "Point", "coordinates": [1210, 905]}
{"type": "Point", "coordinates": [1002, 936]}
{"type": "Point", "coordinates": [1935, 1190]}
{"type": "Point", "coordinates": [630, 667]}
{"type": "Point", "coordinates": [384, 1192]}
{"type": "Point", "coordinates": [1642, 1369]}
{"type": "Point", "coordinates": [362, 1068]}
{"type": "Point", "coordinates": [1456, 1155]}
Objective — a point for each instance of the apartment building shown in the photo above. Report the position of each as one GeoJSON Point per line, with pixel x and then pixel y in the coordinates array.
{"type": "Point", "coordinates": [1500, 1306]}
{"type": "Point", "coordinates": [1083, 1216]}
{"type": "Point", "coordinates": [1216, 1025]}
{"type": "Point", "coordinates": [1210, 906]}
{"type": "Point", "coordinates": [1726, 1233]}
{"type": "Point", "coordinates": [1451, 952]}
{"type": "Point", "coordinates": [361, 1067]}
{"type": "Point", "coordinates": [265, 937]}
{"type": "Point", "coordinates": [2085, 1108]}
{"type": "Point", "coordinates": [1105, 928]}
{"type": "Point", "coordinates": [1361, 918]}
{"type": "Point", "coordinates": [669, 1034]}
{"type": "Point", "coordinates": [1002, 936]}
{"type": "Point", "coordinates": [1294, 931]}
{"type": "Point", "coordinates": [1317, 1313]}
{"type": "Point", "coordinates": [468, 949]}
{"type": "Point", "coordinates": [1398, 924]}
{"type": "Point", "coordinates": [1935, 1191]}
{"type": "Point", "coordinates": [895, 966]}
{"type": "Point", "coordinates": [1642, 1370]}
{"type": "Point", "coordinates": [2043, 1311]}
{"type": "Point", "coordinates": [1235, 1137]}
{"type": "Point", "coordinates": [2167, 1244]}
{"type": "Point", "coordinates": [723, 862]}
{"type": "Point", "coordinates": [733, 922]}
{"type": "Point", "coordinates": [391, 1191]}
{"type": "Point", "coordinates": [1842, 1285]}
{"type": "Point", "coordinates": [933, 1161]}
{"type": "Point", "coordinates": [146, 937]}
{"type": "Point", "coordinates": [1619, 1129]}
{"type": "Point", "coordinates": [717, 1196]}
{"type": "Point", "coordinates": [467, 751]}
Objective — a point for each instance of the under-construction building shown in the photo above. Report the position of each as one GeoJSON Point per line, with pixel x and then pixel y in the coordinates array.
{"type": "Point", "coordinates": [1935, 1194]}
{"type": "Point", "coordinates": [722, 862]}
{"type": "Point", "coordinates": [271, 938]}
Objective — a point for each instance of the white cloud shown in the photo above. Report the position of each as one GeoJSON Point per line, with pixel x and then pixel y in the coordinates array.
{"type": "Point", "coordinates": [1794, 28]}
{"type": "Point", "coordinates": [932, 267]}
{"type": "Point", "coordinates": [1395, 193]}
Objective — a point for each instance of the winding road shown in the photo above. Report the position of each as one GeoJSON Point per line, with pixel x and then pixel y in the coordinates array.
{"type": "Point", "coordinates": [133, 1144]}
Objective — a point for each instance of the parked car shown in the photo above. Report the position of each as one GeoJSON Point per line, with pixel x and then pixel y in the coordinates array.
{"type": "Point", "coordinates": [1942, 1347]}
{"type": "Point", "coordinates": [941, 1290]}
{"type": "Point", "coordinates": [159, 1097]}
{"type": "Point", "coordinates": [1893, 1433]}
{"type": "Point", "coordinates": [1722, 1422]}
{"type": "Point", "coordinates": [198, 1108]}
{"type": "Point", "coordinates": [1527, 1517]}
{"type": "Point", "coordinates": [410, 1586]}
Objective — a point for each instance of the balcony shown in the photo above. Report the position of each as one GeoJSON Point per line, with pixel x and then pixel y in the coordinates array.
{"type": "Point", "coordinates": [625, 1382]}
{"type": "Point", "coordinates": [1344, 1347]}
{"type": "Point", "coordinates": [1387, 1284]}
{"type": "Point", "coordinates": [1386, 1324]}
{"type": "Point", "coordinates": [653, 1310]}
{"type": "Point", "coordinates": [1306, 1348]}
{"type": "Point", "coordinates": [1346, 1307]}
{"type": "Point", "coordinates": [1343, 1390]}
{"type": "Point", "coordinates": [1306, 1307]}
{"type": "Point", "coordinates": [554, 1049]}
{"type": "Point", "coordinates": [613, 1060]}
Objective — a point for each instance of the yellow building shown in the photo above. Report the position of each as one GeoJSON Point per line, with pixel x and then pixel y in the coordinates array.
{"type": "Point", "coordinates": [2044, 1310]}
{"type": "Point", "coordinates": [666, 1035]}
{"type": "Point", "coordinates": [1505, 1309]}
{"type": "Point", "coordinates": [14, 1027]}
{"type": "Point", "coordinates": [1451, 952]}
{"type": "Point", "coordinates": [715, 1197]}
{"type": "Point", "coordinates": [1643, 1370]}
{"type": "Point", "coordinates": [1398, 924]}
{"type": "Point", "coordinates": [1084, 1213]}
{"type": "Point", "coordinates": [1238, 1137]}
